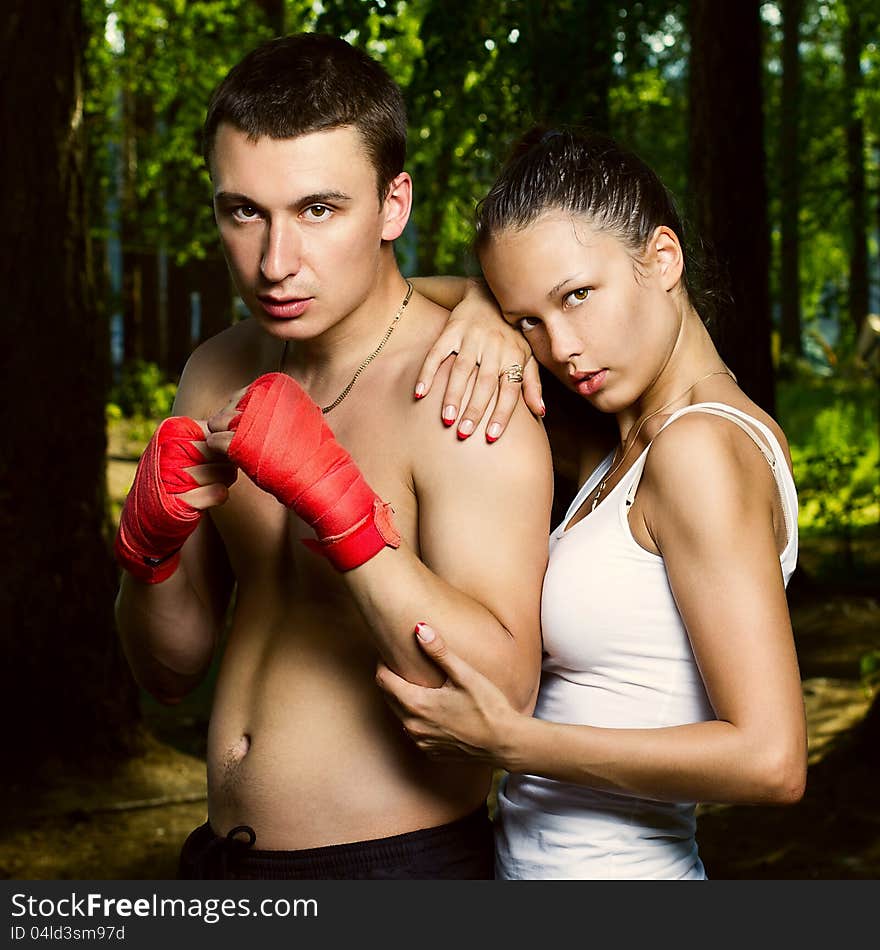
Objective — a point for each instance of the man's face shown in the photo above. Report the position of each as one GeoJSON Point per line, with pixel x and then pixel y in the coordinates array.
{"type": "Point", "coordinates": [300, 224]}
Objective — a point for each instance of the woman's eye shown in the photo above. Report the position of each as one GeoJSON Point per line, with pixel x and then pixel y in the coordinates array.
{"type": "Point", "coordinates": [576, 297]}
{"type": "Point", "coordinates": [318, 212]}
{"type": "Point", "coordinates": [527, 323]}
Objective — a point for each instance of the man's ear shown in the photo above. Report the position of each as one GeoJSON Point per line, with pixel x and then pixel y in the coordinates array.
{"type": "Point", "coordinates": [397, 206]}
{"type": "Point", "coordinates": [665, 253]}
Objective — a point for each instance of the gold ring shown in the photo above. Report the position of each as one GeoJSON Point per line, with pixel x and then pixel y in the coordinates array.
{"type": "Point", "coordinates": [514, 373]}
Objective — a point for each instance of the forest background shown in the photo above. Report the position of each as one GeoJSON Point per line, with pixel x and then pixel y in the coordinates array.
{"type": "Point", "coordinates": [764, 120]}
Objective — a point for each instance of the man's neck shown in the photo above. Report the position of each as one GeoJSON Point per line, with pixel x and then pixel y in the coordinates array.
{"type": "Point", "coordinates": [328, 361]}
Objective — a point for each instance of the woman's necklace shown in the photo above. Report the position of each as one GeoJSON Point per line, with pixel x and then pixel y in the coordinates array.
{"type": "Point", "coordinates": [369, 359]}
{"type": "Point", "coordinates": [631, 442]}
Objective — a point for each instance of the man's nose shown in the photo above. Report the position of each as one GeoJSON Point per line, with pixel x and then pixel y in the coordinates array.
{"type": "Point", "coordinates": [282, 255]}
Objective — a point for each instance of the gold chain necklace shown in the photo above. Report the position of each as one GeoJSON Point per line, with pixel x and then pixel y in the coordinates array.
{"type": "Point", "coordinates": [632, 442]}
{"type": "Point", "coordinates": [369, 359]}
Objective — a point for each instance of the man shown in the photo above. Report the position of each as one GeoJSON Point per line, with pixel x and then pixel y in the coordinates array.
{"type": "Point", "coordinates": [309, 773]}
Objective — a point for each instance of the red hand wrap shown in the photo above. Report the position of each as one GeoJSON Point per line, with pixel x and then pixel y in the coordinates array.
{"type": "Point", "coordinates": [154, 521]}
{"type": "Point", "coordinates": [283, 444]}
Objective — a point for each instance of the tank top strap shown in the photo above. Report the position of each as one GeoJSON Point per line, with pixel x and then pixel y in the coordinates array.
{"type": "Point", "coordinates": [584, 492]}
{"type": "Point", "coordinates": [727, 413]}
{"type": "Point", "coordinates": [772, 455]}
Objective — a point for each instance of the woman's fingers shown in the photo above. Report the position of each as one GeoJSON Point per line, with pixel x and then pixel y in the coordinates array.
{"type": "Point", "coordinates": [485, 387]}
{"type": "Point", "coordinates": [457, 670]}
{"type": "Point", "coordinates": [531, 388]}
{"type": "Point", "coordinates": [445, 345]}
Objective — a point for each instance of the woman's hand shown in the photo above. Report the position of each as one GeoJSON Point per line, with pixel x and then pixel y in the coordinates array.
{"type": "Point", "coordinates": [467, 717]}
{"type": "Point", "coordinates": [482, 340]}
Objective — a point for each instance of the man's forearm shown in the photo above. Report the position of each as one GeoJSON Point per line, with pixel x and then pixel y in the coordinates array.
{"type": "Point", "coordinates": [395, 591]}
{"type": "Point", "coordinates": [168, 634]}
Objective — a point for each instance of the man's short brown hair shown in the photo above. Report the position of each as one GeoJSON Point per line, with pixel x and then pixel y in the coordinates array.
{"type": "Point", "coordinates": [309, 82]}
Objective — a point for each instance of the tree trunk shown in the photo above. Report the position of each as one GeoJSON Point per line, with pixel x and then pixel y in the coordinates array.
{"type": "Point", "coordinates": [68, 692]}
{"type": "Point", "coordinates": [867, 733]}
{"type": "Point", "coordinates": [181, 286]}
{"type": "Point", "coordinates": [789, 164]}
{"type": "Point", "coordinates": [216, 294]}
{"type": "Point", "coordinates": [571, 62]}
{"type": "Point", "coordinates": [855, 154]}
{"type": "Point", "coordinates": [728, 192]}
{"type": "Point", "coordinates": [142, 338]}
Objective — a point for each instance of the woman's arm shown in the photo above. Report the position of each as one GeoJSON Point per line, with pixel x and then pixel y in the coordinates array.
{"type": "Point", "coordinates": [713, 525]}
{"type": "Point", "coordinates": [448, 292]}
{"type": "Point", "coordinates": [483, 342]}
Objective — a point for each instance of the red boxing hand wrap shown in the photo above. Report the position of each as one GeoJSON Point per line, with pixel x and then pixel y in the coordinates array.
{"type": "Point", "coordinates": [155, 522]}
{"type": "Point", "coordinates": [284, 445]}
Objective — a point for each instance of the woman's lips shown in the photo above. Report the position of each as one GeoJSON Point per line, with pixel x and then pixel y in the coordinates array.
{"type": "Point", "coordinates": [588, 383]}
{"type": "Point", "coordinates": [285, 309]}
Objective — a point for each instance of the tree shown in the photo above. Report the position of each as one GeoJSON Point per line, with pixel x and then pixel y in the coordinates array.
{"type": "Point", "coordinates": [727, 186]}
{"type": "Point", "coordinates": [855, 153]}
{"type": "Point", "coordinates": [152, 68]}
{"type": "Point", "coordinates": [69, 693]}
{"type": "Point", "coordinates": [789, 176]}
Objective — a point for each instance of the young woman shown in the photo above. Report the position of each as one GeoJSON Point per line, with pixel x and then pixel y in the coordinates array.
{"type": "Point", "coordinates": [670, 675]}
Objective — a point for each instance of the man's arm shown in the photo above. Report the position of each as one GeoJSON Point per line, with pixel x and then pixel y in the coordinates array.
{"type": "Point", "coordinates": [484, 514]}
{"type": "Point", "coordinates": [169, 630]}
{"type": "Point", "coordinates": [483, 520]}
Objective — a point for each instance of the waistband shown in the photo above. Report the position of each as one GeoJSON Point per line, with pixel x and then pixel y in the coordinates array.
{"type": "Point", "coordinates": [236, 854]}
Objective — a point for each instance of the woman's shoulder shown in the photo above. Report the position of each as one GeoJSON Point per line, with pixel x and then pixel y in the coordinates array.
{"type": "Point", "coordinates": [747, 411]}
{"type": "Point", "coordinates": [698, 453]}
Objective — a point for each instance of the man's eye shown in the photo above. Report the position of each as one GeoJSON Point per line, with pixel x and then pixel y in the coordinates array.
{"type": "Point", "coordinates": [318, 212]}
{"type": "Point", "coordinates": [245, 213]}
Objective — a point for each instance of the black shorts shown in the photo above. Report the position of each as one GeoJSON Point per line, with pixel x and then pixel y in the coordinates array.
{"type": "Point", "coordinates": [461, 850]}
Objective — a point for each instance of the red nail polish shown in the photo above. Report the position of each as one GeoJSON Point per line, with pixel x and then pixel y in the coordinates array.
{"type": "Point", "coordinates": [491, 438]}
{"type": "Point", "coordinates": [448, 422]}
{"type": "Point", "coordinates": [462, 436]}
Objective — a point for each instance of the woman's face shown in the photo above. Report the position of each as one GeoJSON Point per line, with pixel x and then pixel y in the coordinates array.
{"type": "Point", "coordinates": [603, 328]}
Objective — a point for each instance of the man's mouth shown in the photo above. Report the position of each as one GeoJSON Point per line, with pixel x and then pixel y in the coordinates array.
{"type": "Point", "coordinates": [284, 308]}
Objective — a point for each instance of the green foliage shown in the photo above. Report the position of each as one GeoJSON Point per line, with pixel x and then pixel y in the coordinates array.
{"type": "Point", "coordinates": [141, 392]}
{"type": "Point", "coordinates": [824, 217]}
{"type": "Point", "coordinates": [150, 70]}
{"type": "Point", "coordinates": [869, 671]}
{"type": "Point", "coordinates": [474, 76]}
{"type": "Point", "coordinates": [832, 427]}
{"type": "Point", "coordinates": [488, 71]}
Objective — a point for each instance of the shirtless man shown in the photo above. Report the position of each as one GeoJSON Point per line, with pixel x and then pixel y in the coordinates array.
{"type": "Point", "coordinates": [309, 773]}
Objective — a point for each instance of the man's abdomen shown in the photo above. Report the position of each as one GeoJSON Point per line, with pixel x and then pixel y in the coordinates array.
{"type": "Point", "coordinates": [303, 748]}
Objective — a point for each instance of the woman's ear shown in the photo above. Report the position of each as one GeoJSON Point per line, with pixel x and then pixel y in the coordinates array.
{"type": "Point", "coordinates": [397, 206]}
{"type": "Point", "coordinates": [665, 254]}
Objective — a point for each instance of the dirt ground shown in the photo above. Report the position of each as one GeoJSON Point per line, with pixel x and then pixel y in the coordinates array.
{"type": "Point", "coordinates": [130, 824]}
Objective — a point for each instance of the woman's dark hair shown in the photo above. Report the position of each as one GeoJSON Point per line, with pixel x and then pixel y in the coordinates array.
{"type": "Point", "coordinates": [310, 82]}
{"type": "Point", "coordinates": [590, 175]}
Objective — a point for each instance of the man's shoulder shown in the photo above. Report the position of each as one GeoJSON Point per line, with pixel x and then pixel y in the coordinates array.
{"type": "Point", "coordinates": [522, 454]}
{"type": "Point", "coordinates": [221, 365]}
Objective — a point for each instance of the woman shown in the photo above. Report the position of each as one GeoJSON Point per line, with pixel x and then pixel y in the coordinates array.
{"type": "Point", "coordinates": [670, 675]}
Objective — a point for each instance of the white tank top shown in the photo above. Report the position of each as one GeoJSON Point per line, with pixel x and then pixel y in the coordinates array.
{"type": "Point", "coordinates": [616, 655]}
